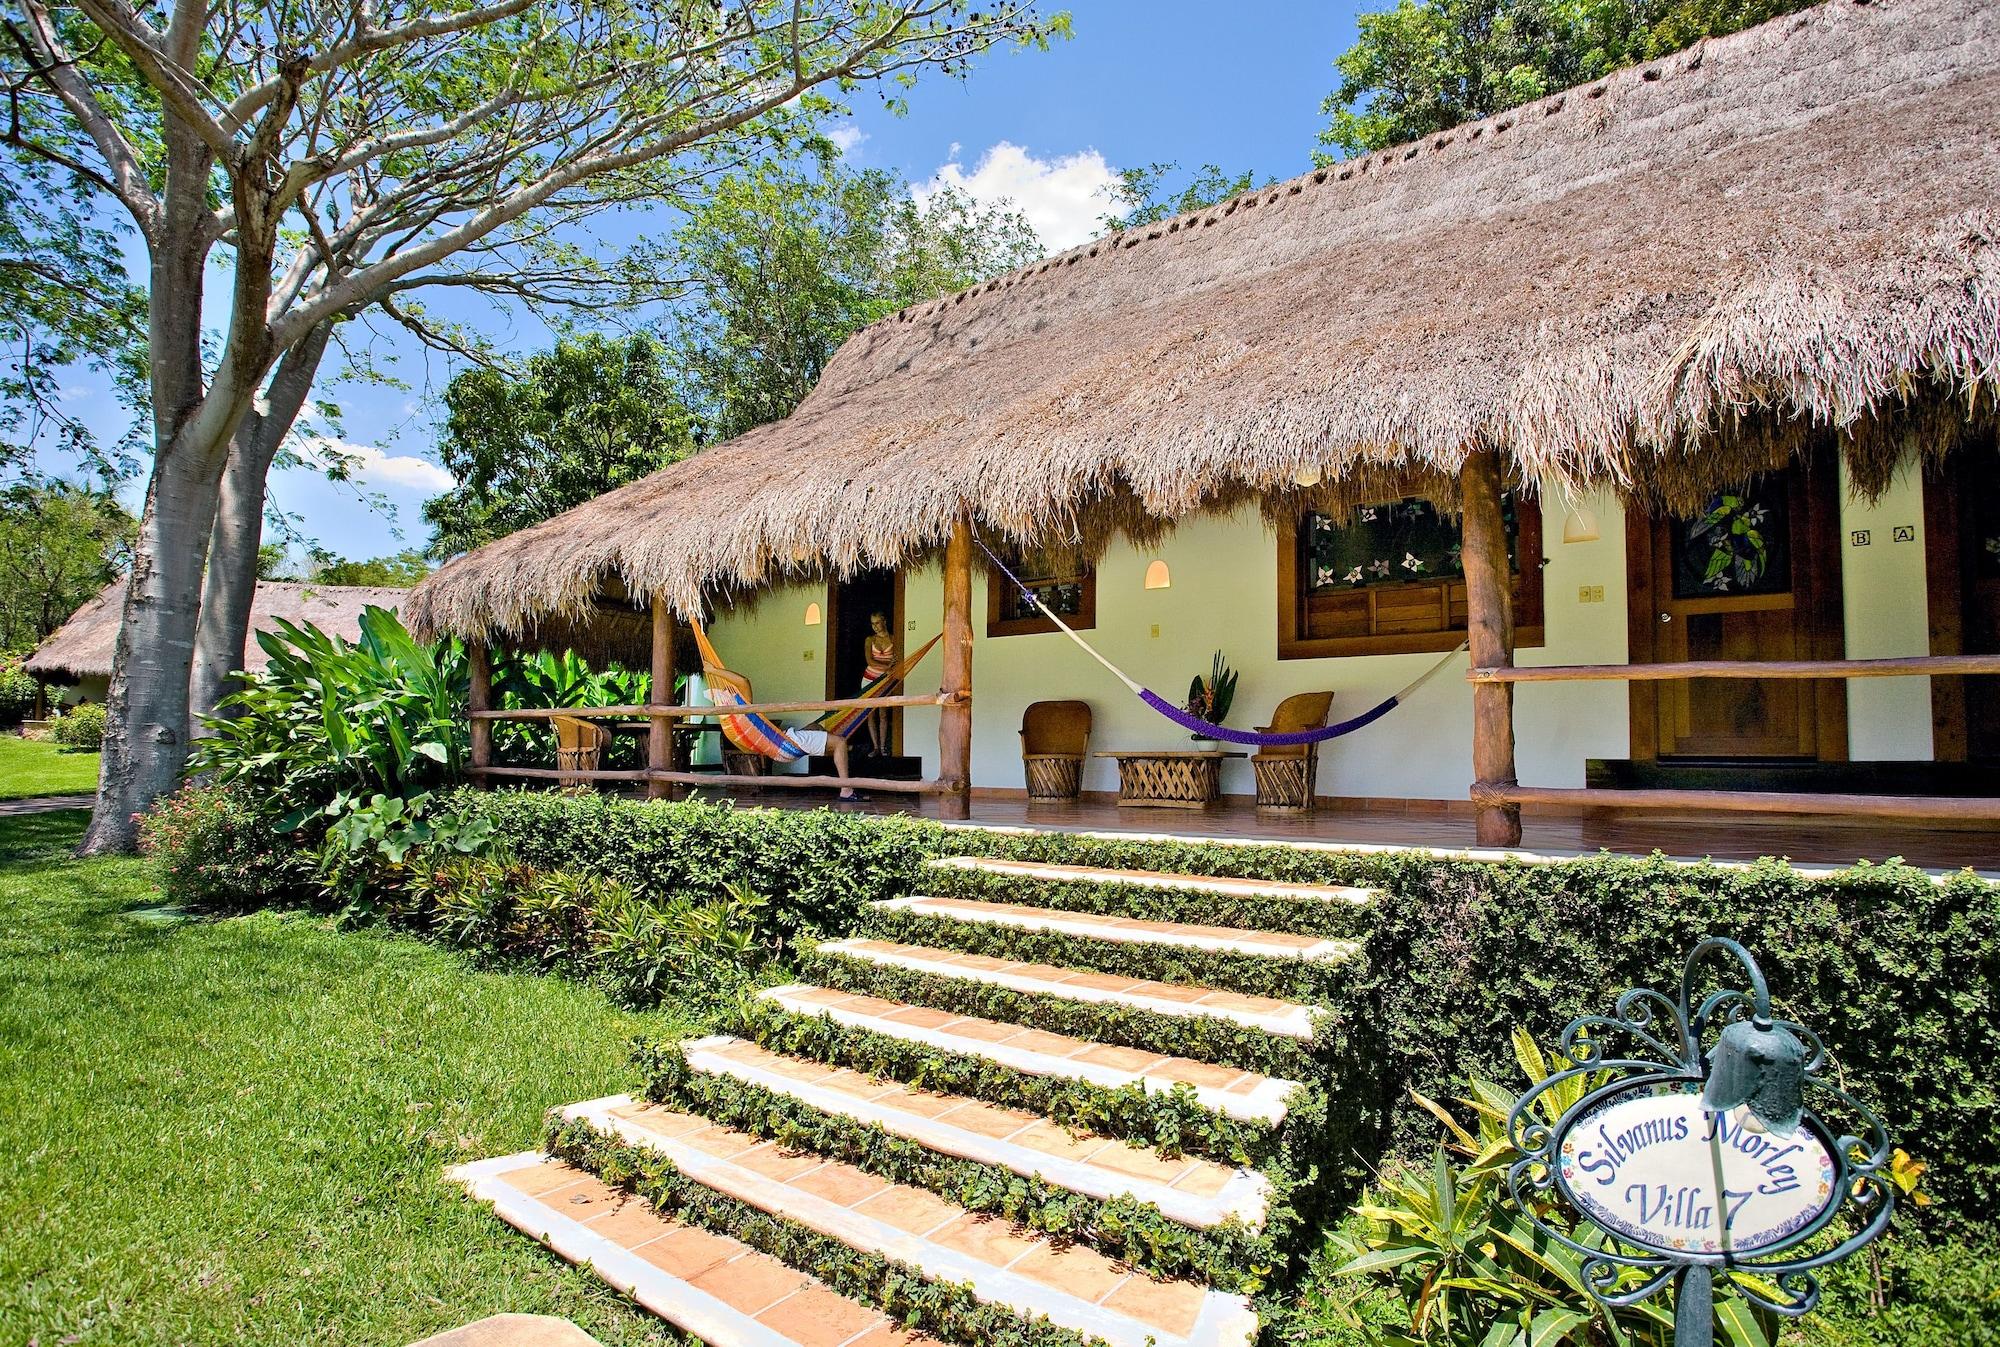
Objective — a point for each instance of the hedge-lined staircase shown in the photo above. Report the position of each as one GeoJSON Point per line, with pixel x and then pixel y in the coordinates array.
{"type": "Point", "coordinates": [1034, 1104]}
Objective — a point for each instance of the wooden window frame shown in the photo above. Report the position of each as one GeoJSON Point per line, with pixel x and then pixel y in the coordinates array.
{"type": "Point", "coordinates": [997, 625]}
{"type": "Point", "coordinates": [1528, 601]}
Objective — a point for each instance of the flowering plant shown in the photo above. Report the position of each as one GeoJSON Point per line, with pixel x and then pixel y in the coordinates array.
{"type": "Point", "coordinates": [1209, 698]}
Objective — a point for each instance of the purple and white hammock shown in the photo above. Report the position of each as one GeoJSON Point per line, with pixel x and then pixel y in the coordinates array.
{"type": "Point", "coordinates": [1208, 729]}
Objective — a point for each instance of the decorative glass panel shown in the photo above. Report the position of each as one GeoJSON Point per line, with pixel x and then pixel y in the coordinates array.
{"type": "Point", "coordinates": [1057, 584]}
{"type": "Point", "coordinates": [1741, 544]}
{"type": "Point", "coordinates": [1385, 545]}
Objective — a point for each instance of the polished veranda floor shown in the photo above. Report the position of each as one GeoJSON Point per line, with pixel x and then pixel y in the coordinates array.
{"type": "Point", "coordinates": [1806, 841]}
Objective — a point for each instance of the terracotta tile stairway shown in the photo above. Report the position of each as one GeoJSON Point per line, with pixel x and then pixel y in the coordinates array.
{"type": "Point", "coordinates": [816, 1127]}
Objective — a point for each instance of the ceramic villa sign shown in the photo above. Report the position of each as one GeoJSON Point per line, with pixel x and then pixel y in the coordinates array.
{"type": "Point", "coordinates": [1691, 1137]}
{"type": "Point", "coordinates": [1648, 1164]}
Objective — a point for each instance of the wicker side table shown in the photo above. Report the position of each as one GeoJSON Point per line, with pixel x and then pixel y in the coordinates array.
{"type": "Point", "coordinates": [1165, 778]}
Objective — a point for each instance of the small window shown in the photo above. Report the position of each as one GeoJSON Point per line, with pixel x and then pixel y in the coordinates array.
{"type": "Point", "coordinates": [1390, 579]}
{"type": "Point", "coordinates": [1065, 584]}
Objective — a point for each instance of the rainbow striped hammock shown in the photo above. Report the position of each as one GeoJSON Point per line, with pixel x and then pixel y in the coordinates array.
{"type": "Point", "coordinates": [751, 733]}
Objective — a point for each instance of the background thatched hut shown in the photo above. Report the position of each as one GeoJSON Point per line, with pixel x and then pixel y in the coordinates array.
{"type": "Point", "coordinates": [79, 652]}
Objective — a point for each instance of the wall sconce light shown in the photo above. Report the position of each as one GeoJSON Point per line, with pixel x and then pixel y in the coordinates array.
{"type": "Point", "coordinates": [1580, 526]}
{"type": "Point", "coordinates": [812, 615]}
{"type": "Point", "coordinates": [1157, 576]}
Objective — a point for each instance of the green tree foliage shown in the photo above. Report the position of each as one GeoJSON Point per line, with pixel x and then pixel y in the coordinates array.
{"type": "Point", "coordinates": [66, 301]}
{"type": "Point", "coordinates": [59, 545]}
{"type": "Point", "coordinates": [1147, 195]}
{"type": "Point", "coordinates": [397, 572]}
{"type": "Point", "coordinates": [273, 563]}
{"type": "Point", "coordinates": [789, 263]}
{"type": "Point", "coordinates": [1427, 65]}
{"type": "Point", "coordinates": [592, 414]}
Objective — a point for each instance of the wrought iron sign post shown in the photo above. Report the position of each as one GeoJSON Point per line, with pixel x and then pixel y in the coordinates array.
{"type": "Point", "coordinates": [1700, 1154]}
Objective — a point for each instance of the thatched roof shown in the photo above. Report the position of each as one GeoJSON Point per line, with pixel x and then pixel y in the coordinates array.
{"type": "Point", "coordinates": [82, 647]}
{"type": "Point", "coordinates": [1656, 282]}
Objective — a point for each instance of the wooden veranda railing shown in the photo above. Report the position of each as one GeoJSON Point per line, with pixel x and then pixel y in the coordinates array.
{"type": "Point", "coordinates": [656, 714]}
{"type": "Point", "coordinates": [952, 786]}
{"type": "Point", "coordinates": [1493, 794]}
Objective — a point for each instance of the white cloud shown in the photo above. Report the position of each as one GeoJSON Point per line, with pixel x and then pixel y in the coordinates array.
{"type": "Point", "coordinates": [846, 137]}
{"type": "Point", "coordinates": [375, 467]}
{"type": "Point", "coordinates": [1061, 197]}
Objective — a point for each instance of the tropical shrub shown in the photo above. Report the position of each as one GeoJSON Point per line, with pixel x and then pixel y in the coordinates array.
{"type": "Point", "coordinates": [582, 925]}
{"type": "Point", "coordinates": [80, 726]}
{"type": "Point", "coordinates": [329, 723]}
{"type": "Point", "coordinates": [816, 868]}
{"type": "Point", "coordinates": [213, 849]}
{"type": "Point", "coordinates": [17, 691]}
{"type": "Point", "coordinates": [1464, 1265]}
{"type": "Point", "coordinates": [543, 679]}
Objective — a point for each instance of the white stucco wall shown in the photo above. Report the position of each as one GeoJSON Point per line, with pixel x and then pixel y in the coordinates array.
{"type": "Point", "coordinates": [1224, 594]}
{"type": "Point", "coordinates": [1883, 598]}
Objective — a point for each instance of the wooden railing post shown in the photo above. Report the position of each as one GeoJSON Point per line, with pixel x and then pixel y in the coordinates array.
{"type": "Point", "coordinates": [1489, 599]}
{"type": "Point", "coordinates": [955, 719]}
{"type": "Point", "coordinates": [659, 732]}
{"type": "Point", "coordinates": [479, 697]}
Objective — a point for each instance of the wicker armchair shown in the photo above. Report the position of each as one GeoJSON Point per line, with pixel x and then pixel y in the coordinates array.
{"type": "Point", "coordinates": [1288, 774]}
{"type": "Point", "coordinates": [580, 747]}
{"type": "Point", "coordinates": [1055, 737]}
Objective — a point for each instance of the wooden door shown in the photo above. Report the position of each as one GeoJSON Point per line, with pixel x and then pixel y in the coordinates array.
{"type": "Point", "coordinates": [1756, 576]}
{"type": "Point", "coordinates": [1962, 556]}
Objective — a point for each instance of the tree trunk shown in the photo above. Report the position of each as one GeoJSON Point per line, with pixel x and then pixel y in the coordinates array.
{"type": "Point", "coordinates": [146, 713]}
{"type": "Point", "coordinates": [145, 733]}
{"type": "Point", "coordinates": [222, 638]}
{"type": "Point", "coordinates": [955, 719]}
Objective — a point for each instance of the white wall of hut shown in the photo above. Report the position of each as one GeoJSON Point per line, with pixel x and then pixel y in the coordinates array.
{"type": "Point", "coordinates": [1224, 596]}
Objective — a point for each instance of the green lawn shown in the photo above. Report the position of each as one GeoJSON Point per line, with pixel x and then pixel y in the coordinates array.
{"type": "Point", "coordinates": [236, 1130]}
{"type": "Point", "coordinates": [39, 767]}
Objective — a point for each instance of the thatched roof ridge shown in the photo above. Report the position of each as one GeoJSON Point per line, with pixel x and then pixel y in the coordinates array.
{"type": "Point", "coordinates": [1791, 227]}
{"type": "Point", "coordinates": [83, 646]}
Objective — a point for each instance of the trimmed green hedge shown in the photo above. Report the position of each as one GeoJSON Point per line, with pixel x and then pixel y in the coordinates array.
{"type": "Point", "coordinates": [1205, 1038]}
{"type": "Point", "coordinates": [816, 868]}
{"type": "Point", "coordinates": [946, 1310]}
{"type": "Point", "coordinates": [1897, 972]}
{"type": "Point", "coordinates": [1230, 1255]}
{"type": "Point", "coordinates": [1324, 982]}
{"type": "Point", "coordinates": [1171, 1120]}
{"type": "Point", "coordinates": [1335, 920]}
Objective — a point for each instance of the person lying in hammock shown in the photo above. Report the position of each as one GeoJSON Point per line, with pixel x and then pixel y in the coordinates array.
{"type": "Point", "coordinates": [754, 734]}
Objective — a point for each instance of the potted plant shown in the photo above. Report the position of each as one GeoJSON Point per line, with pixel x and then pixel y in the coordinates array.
{"type": "Point", "coordinates": [1210, 697]}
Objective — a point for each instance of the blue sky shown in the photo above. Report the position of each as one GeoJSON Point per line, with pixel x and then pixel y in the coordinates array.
{"type": "Point", "coordinates": [1238, 85]}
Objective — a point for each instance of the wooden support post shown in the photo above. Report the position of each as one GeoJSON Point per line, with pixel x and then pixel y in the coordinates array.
{"type": "Point", "coordinates": [660, 732]}
{"type": "Point", "coordinates": [1489, 598]}
{"type": "Point", "coordinates": [479, 663]}
{"type": "Point", "coordinates": [955, 719]}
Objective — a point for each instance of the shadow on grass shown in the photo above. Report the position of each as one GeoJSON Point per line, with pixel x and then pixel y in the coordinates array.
{"type": "Point", "coordinates": [32, 840]}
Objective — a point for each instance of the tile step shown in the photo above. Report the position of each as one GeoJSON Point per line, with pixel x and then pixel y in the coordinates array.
{"type": "Point", "coordinates": [1285, 1019]}
{"type": "Point", "coordinates": [708, 1285]}
{"type": "Point", "coordinates": [1074, 1286]}
{"type": "Point", "coordinates": [1153, 879]}
{"type": "Point", "coordinates": [1129, 930]}
{"type": "Point", "coordinates": [1244, 1095]}
{"type": "Point", "coordinates": [1192, 1190]}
